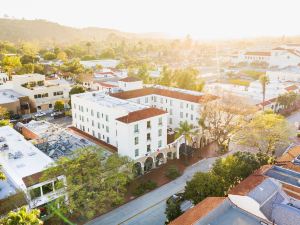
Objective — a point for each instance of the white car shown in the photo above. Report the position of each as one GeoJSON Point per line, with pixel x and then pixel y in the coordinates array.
{"type": "Point", "coordinates": [40, 114]}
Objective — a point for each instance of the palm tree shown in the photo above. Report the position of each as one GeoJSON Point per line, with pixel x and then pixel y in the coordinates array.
{"type": "Point", "coordinates": [264, 80]}
{"type": "Point", "coordinates": [186, 130]}
{"type": "Point", "coordinates": [88, 45]}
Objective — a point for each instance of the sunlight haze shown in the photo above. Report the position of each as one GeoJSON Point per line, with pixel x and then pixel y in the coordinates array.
{"type": "Point", "coordinates": [201, 19]}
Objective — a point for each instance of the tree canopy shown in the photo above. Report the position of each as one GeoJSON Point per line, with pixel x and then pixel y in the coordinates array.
{"type": "Point", "coordinates": [94, 183]}
{"type": "Point", "coordinates": [266, 131]}
{"type": "Point", "coordinates": [59, 105]}
{"type": "Point", "coordinates": [22, 217]}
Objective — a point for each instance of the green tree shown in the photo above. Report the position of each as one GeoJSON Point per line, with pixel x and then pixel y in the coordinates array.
{"type": "Point", "coordinates": [166, 77]}
{"type": "Point", "coordinates": [49, 56]}
{"type": "Point", "coordinates": [235, 168]}
{"type": "Point", "coordinates": [266, 132]}
{"type": "Point", "coordinates": [173, 210]}
{"type": "Point", "coordinates": [287, 100]}
{"type": "Point", "coordinates": [88, 45]}
{"type": "Point", "coordinates": [25, 59]}
{"type": "Point", "coordinates": [264, 81]}
{"type": "Point", "coordinates": [62, 56]}
{"type": "Point", "coordinates": [59, 105]}
{"type": "Point", "coordinates": [172, 172]}
{"type": "Point", "coordinates": [74, 67]}
{"type": "Point", "coordinates": [203, 185]}
{"type": "Point", "coordinates": [26, 68]}
{"type": "Point", "coordinates": [22, 217]}
{"type": "Point", "coordinates": [10, 64]}
{"type": "Point", "coordinates": [76, 90]}
{"type": "Point", "coordinates": [93, 183]}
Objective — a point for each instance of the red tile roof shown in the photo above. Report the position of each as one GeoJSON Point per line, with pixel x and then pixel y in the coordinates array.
{"type": "Point", "coordinates": [130, 79]}
{"type": "Point", "coordinates": [286, 159]}
{"type": "Point", "coordinates": [198, 211]}
{"type": "Point", "coordinates": [103, 84]}
{"type": "Point", "coordinates": [291, 88]}
{"type": "Point", "coordinates": [141, 115]}
{"type": "Point", "coordinates": [163, 92]}
{"type": "Point", "coordinates": [258, 53]}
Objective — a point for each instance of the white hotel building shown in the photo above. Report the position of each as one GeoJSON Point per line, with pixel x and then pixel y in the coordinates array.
{"type": "Point", "coordinates": [136, 121]}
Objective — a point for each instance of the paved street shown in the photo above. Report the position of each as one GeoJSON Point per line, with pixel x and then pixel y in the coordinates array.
{"type": "Point", "coordinates": [295, 117]}
{"type": "Point", "coordinates": [149, 208]}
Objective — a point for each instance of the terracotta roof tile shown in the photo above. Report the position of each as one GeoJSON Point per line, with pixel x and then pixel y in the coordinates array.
{"type": "Point", "coordinates": [286, 159]}
{"type": "Point", "coordinates": [198, 211]}
{"type": "Point", "coordinates": [163, 92]}
{"type": "Point", "coordinates": [130, 79]}
{"type": "Point", "coordinates": [258, 53]}
{"type": "Point", "coordinates": [141, 115]}
{"type": "Point", "coordinates": [291, 88]}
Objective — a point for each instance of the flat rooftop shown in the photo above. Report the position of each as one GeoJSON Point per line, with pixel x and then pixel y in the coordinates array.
{"type": "Point", "coordinates": [20, 158]}
{"type": "Point", "coordinates": [102, 99]}
{"type": "Point", "coordinates": [8, 96]}
{"type": "Point", "coordinates": [55, 141]}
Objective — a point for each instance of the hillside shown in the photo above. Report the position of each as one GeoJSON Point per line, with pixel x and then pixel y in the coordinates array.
{"type": "Point", "coordinates": [43, 31]}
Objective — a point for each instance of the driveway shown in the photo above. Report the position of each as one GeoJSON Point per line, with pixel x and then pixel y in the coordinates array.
{"type": "Point", "coordinates": [150, 208]}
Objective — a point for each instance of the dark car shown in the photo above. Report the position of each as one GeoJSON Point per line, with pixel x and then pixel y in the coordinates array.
{"type": "Point", "coordinates": [178, 197]}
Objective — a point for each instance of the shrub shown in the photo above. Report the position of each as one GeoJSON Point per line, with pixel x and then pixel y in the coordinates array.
{"type": "Point", "coordinates": [144, 187]}
{"type": "Point", "coordinates": [172, 172]}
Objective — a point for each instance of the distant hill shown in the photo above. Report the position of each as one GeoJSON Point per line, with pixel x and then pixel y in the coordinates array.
{"type": "Point", "coordinates": [15, 30]}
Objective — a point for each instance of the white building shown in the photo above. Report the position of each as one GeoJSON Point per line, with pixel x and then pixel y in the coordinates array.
{"type": "Point", "coordinates": [136, 121]}
{"type": "Point", "coordinates": [23, 165]}
{"type": "Point", "coordinates": [42, 93]}
{"type": "Point", "coordinates": [130, 83]}
{"type": "Point", "coordinates": [280, 57]}
{"type": "Point", "coordinates": [287, 74]}
{"type": "Point", "coordinates": [106, 63]}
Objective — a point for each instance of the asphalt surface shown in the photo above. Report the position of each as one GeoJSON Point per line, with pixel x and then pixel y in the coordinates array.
{"type": "Point", "coordinates": [149, 209]}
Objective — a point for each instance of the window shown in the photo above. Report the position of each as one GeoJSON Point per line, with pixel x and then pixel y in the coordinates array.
{"type": "Point", "coordinates": [136, 140]}
{"type": "Point", "coordinates": [170, 121]}
{"type": "Point", "coordinates": [181, 114]}
{"type": "Point", "coordinates": [106, 118]}
{"type": "Point", "coordinates": [92, 112]}
{"type": "Point", "coordinates": [107, 140]}
{"type": "Point", "coordinates": [136, 152]}
{"type": "Point", "coordinates": [192, 117]}
{"type": "Point", "coordinates": [136, 128]}
{"type": "Point", "coordinates": [92, 122]}
{"type": "Point", "coordinates": [171, 102]}
{"type": "Point", "coordinates": [35, 193]}
{"type": "Point", "coordinates": [192, 107]}
{"type": "Point", "coordinates": [58, 93]}
{"type": "Point", "coordinates": [187, 105]}
{"type": "Point", "coordinates": [50, 106]}
{"type": "Point", "coordinates": [98, 125]}
{"type": "Point", "coordinates": [148, 148]}
{"type": "Point", "coordinates": [146, 100]}
{"type": "Point", "coordinates": [107, 129]}
{"type": "Point", "coordinates": [171, 111]}
{"type": "Point", "coordinates": [99, 135]}
{"type": "Point", "coordinates": [186, 115]}
{"type": "Point", "coordinates": [148, 137]}
{"type": "Point", "coordinates": [159, 121]}
{"type": "Point", "coordinates": [181, 105]}
{"type": "Point", "coordinates": [98, 115]}
{"type": "Point", "coordinates": [93, 133]}
{"type": "Point", "coordinates": [159, 143]}
{"type": "Point", "coordinates": [47, 188]}
{"type": "Point", "coordinates": [39, 107]}
{"type": "Point", "coordinates": [160, 132]}
{"type": "Point", "coordinates": [148, 124]}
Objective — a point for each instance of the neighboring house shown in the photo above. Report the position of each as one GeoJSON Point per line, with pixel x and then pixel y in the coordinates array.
{"type": "Point", "coordinates": [42, 93]}
{"type": "Point", "coordinates": [14, 102]}
{"type": "Point", "coordinates": [130, 83]}
{"type": "Point", "coordinates": [23, 165]}
{"type": "Point", "coordinates": [271, 195]}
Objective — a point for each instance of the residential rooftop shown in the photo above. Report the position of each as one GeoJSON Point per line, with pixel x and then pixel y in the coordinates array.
{"type": "Point", "coordinates": [20, 158]}
{"type": "Point", "coordinates": [8, 96]}
{"type": "Point", "coordinates": [130, 79]}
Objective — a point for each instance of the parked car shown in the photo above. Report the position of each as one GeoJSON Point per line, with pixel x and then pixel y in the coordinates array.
{"type": "Point", "coordinates": [40, 114]}
{"type": "Point", "coordinates": [178, 197]}
{"type": "Point", "coordinates": [58, 114]}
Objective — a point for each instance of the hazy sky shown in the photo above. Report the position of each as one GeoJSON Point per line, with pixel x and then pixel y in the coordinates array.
{"type": "Point", "coordinates": [199, 18]}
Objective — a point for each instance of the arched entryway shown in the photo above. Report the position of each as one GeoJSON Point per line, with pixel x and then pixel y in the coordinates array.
{"type": "Point", "coordinates": [148, 164]}
{"type": "Point", "coordinates": [137, 169]}
{"type": "Point", "coordinates": [159, 159]}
